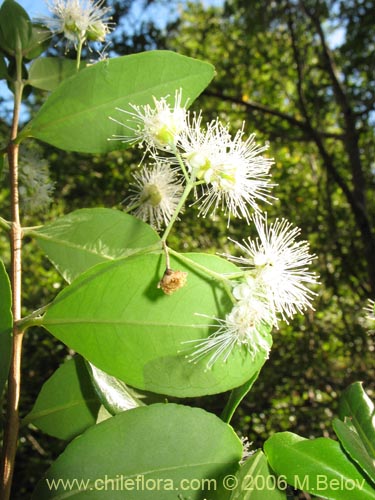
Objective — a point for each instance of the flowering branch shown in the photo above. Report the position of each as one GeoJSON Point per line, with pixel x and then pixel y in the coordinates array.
{"type": "Point", "coordinates": [233, 176]}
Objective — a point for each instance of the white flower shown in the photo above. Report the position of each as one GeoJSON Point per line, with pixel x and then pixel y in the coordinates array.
{"type": "Point", "coordinates": [158, 126]}
{"type": "Point", "coordinates": [279, 266]}
{"type": "Point", "coordinates": [235, 175]}
{"type": "Point", "coordinates": [246, 289]}
{"type": "Point", "coordinates": [78, 20]}
{"type": "Point", "coordinates": [157, 191]}
{"type": "Point", "coordinates": [370, 310]}
{"type": "Point", "coordinates": [246, 325]}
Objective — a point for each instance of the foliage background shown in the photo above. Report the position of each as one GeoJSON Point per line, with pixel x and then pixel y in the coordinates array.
{"type": "Point", "coordinates": [273, 73]}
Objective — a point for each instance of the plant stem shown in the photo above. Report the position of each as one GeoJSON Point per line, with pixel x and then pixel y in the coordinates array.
{"type": "Point", "coordinates": [136, 205]}
{"type": "Point", "coordinates": [189, 186]}
{"type": "Point", "coordinates": [14, 381]}
{"type": "Point", "coordinates": [79, 52]}
{"type": "Point", "coordinates": [181, 203]}
{"type": "Point", "coordinates": [224, 280]}
{"type": "Point", "coordinates": [182, 165]}
{"type": "Point", "coordinates": [217, 276]}
{"type": "Point", "coordinates": [166, 252]}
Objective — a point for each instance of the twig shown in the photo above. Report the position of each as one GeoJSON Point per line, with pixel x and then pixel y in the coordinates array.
{"type": "Point", "coordinates": [14, 381]}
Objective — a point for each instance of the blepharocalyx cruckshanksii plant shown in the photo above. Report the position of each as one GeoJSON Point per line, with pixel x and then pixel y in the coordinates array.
{"type": "Point", "coordinates": [141, 317]}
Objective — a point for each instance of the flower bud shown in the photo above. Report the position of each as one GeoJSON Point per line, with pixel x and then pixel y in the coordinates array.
{"type": "Point", "coordinates": [96, 32]}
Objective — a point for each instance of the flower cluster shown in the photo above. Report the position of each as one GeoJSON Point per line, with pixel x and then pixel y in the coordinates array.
{"type": "Point", "coordinates": [229, 173]}
{"type": "Point", "coordinates": [279, 266]}
{"type": "Point", "coordinates": [234, 174]}
{"type": "Point", "coordinates": [273, 286]}
{"type": "Point", "coordinates": [78, 20]}
{"type": "Point", "coordinates": [246, 325]}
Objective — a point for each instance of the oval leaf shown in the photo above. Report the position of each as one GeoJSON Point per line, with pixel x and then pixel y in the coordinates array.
{"type": "Point", "coordinates": [76, 116]}
{"type": "Point", "coordinates": [118, 319]}
{"type": "Point", "coordinates": [165, 447]}
{"type": "Point", "coordinates": [67, 404]}
{"type": "Point", "coordinates": [255, 481]}
{"type": "Point", "coordinates": [86, 237]}
{"type": "Point", "coordinates": [6, 323]}
{"type": "Point", "coordinates": [356, 406]}
{"type": "Point", "coordinates": [15, 28]}
{"type": "Point", "coordinates": [318, 466]}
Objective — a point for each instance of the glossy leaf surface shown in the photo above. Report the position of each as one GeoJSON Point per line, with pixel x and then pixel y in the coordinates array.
{"type": "Point", "coordinates": [170, 444]}
{"type": "Point", "coordinates": [354, 447]}
{"type": "Point", "coordinates": [318, 466]}
{"type": "Point", "coordinates": [76, 116]}
{"type": "Point", "coordinates": [117, 318]}
{"type": "Point", "coordinates": [114, 394]}
{"type": "Point", "coordinates": [356, 406]}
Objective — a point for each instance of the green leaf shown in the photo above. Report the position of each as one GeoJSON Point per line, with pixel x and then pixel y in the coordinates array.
{"type": "Point", "coordinates": [6, 323]}
{"type": "Point", "coordinates": [116, 396]}
{"type": "Point", "coordinates": [86, 237]}
{"type": "Point", "coordinates": [318, 466]}
{"type": "Point", "coordinates": [15, 28]}
{"type": "Point", "coordinates": [39, 41]}
{"type": "Point", "coordinates": [67, 404]}
{"type": "Point", "coordinates": [76, 116]}
{"type": "Point", "coordinates": [235, 398]}
{"type": "Point", "coordinates": [47, 73]}
{"type": "Point", "coordinates": [113, 393]}
{"type": "Point", "coordinates": [165, 447]}
{"type": "Point", "coordinates": [118, 319]}
{"type": "Point", "coordinates": [359, 409]}
{"type": "Point", "coordinates": [255, 481]}
{"type": "Point", "coordinates": [355, 448]}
